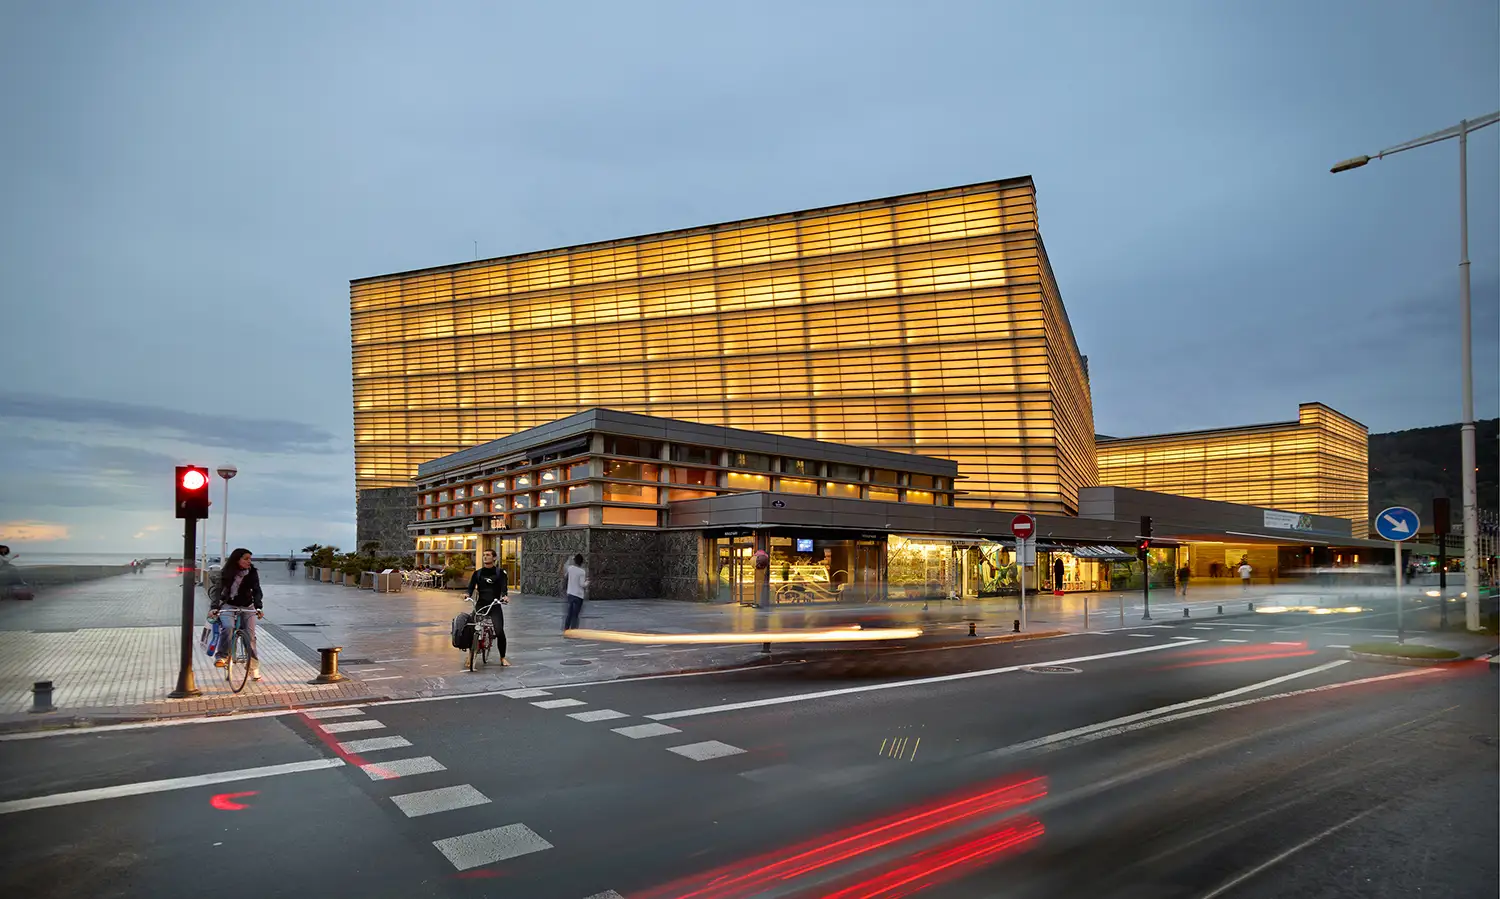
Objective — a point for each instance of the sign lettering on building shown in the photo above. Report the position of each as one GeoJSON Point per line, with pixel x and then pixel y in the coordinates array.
{"type": "Point", "coordinates": [1287, 521]}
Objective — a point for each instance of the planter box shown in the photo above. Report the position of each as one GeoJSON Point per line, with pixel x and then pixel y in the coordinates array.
{"type": "Point", "coordinates": [325, 575]}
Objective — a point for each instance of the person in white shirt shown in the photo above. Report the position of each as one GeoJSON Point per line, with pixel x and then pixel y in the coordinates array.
{"type": "Point", "coordinates": [578, 584]}
{"type": "Point", "coordinates": [1245, 575]}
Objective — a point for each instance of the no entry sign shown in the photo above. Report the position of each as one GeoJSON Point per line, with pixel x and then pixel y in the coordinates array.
{"type": "Point", "coordinates": [1023, 526]}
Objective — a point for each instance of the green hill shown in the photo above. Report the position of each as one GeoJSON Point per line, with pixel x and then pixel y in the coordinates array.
{"type": "Point", "coordinates": [1409, 468]}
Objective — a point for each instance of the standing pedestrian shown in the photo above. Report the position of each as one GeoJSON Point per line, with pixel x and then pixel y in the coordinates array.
{"type": "Point", "coordinates": [1245, 572]}
{"type": "Point", "coordinates": [1183, 574]}
{"type": "Point", "coordinates": [578, 584]}
{"type": "Point", "coordinates": [238, 592]}
{"type": "Point", "coordinates": [488, 589]}
{"type": "Point", "coordinates": [1058, 571]}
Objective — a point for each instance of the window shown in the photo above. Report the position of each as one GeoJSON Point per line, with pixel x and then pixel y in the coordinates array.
{"type": "Point", "coordinates": [521, 501]}
{"type": "Point", "coordinates": [547, 519]}
{"type": "Point", "coordinates": [580, 494]}
{"type": "Point", "coordinates": [698, 455]}
{"type": "Point", "coordinates": [632, 471]}
{"type": "Point", "coordinates": [845, 472]}
{"type": "Point", "coordinates": [548, 498]}
{"type": "Point", "coordinates": [477, 509]}
{"type": "Point", "coordinates": [458, 493]}
{"type": "Point", "coordinates": [549, 476]}
{"type": "Point", "coordinates": [497, 505]}
{"type": "Point", "coordinates": [622, 515]}
{"type": "Point", "coordinates": [752, 461]}
{"type": "Point", "coordinates": [882, 476]}
{"type": "Point", "coordinates": [479, 490]}
{"type": "Point", "coordinates": [522, 481]}
{"type": "Point", "coordinates": [800, 466]}
{"type": "Point", "coordinates": [578, 516]}
{"type": "Point", "coordinates": [740, 481]}
{"type": "Point", "coordinates": [443, 497]}
{"type": "Point", "coordinates": [925, 481]}
{"type": "Point", "coordinates": [578, 471]}
{"type": "Point", "coordinates": [919, 496]}
{"type": "Point", "coordinates": [629, 493]}
{"type": "Point", "coordinates": [497, 486]}
{"type": "Point", "coordinates": [849, 490]}
{"type": "Point", "coordinates": [428, 499]}
{"type": "Point", "coordinates": [632, 446]}
{"type": "Point", "coordinates": [881, 494]}
{"type": "Point", "coordinates": [695, 477]}
{"type": "Point", "coordinates": [677, 496]}
{"type": "Point", "coordinates": [793, 485]}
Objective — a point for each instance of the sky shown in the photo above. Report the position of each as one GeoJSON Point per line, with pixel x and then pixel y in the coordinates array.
{"type": "Point", "coordinates": [189, 187]}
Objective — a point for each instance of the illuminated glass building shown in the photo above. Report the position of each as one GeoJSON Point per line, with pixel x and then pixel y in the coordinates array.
{"type": "Point", "coordinates": [1318, 464]}
{"type": "Point", "coordinates": [928, 323]}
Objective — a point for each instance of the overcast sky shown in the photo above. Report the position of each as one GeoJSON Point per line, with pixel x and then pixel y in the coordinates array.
{"type": "Point", "coordinates": [188, 189]}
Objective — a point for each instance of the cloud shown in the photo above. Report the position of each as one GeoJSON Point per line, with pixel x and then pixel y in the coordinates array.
{"type": "Point", "coordinates": [258, 435]}
{"type": "Point", "coordinates": [147, 531]}
{"type": "Point", "coordinates": [32, 531]}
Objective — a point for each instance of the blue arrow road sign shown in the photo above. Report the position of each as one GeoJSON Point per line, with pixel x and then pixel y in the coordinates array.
{"type": "Point", "coordinates": [1396, 523]}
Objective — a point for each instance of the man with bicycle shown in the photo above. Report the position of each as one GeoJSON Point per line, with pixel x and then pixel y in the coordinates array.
{"type": "Point", "coordinates": [488, 589]}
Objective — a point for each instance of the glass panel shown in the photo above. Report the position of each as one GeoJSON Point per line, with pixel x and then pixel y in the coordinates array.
{"type": "Point", "coordinates": [522, 481]}
{"type": "Point", "coordinates": [677, 496]}
{"type": "Point", "coordinates": [882, 476]}
{"type": "Point", "coordinates": [458, 493]}
{"type": "Point", "coordinates": [752, 461]}
{"type": "Point", "coordinates": [845, 472]}
{"type": "Point", "coordinates": [849, 490]}
{"type": "Point", "coordinates": [548, 498]}
{"type": "Point", "coordinates": [580, 494]}
{"type": "Point", "coordinates": [478, 489]}
{"type": "Point", "coordinates": [700, 455]}
{"type": "Point", "coordinates": [547, 519]}
{"type": "Point", "coordinates": [629, 493]}
{"type": "Point", "coordinates": [578, 516]}
{"type": "Point", "coordinates": [792, 485]}
{"type": "Point", "coordinates": [799, 466]}
{"type": "Point", "coordinates": [549, 476]}
{"type": "Point", "coordinates": [633, 471]}
{"type": "Point", "coordinates": [924, 481]}
{"type": "Point", "coordinates": [632, 446]}
{"type": "Point", "coordinates": [443, 497]}
{"type": "Point", "coordinates": [740, 481]}
{"type": "Point", "coordinates": [621, 515]}
{"type": "Point", "coordinates": [696, 477]}
{"type": "Point", "coordinates": [521, 501]}
{"type": "Point", "coordinates": [578, 471]}
{"type": "Point", "coordinates": [919, 496]}
{"type": "Point", "coordinates": [881, 494]}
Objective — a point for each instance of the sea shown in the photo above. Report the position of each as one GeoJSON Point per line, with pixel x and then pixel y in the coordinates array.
{"type": "Point", "coordinates": [26, 559]}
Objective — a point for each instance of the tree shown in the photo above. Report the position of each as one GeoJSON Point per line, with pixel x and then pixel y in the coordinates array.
{"type": "Point", "coordinates": [370, 547]}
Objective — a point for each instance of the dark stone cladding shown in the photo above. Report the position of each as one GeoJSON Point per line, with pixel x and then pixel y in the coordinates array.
{"type": "Point", "coordinates": [383, 516]}
{"type": "Point", "coordinates": [543, 554]}
{"type": "Point", "coordinates": [624, 564]}
{"type": "Point", "coordinates": [681, 556]}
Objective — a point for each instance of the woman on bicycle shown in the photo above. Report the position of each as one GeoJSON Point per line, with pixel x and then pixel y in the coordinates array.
{"type": "Point", "coordinates": [239, 591]}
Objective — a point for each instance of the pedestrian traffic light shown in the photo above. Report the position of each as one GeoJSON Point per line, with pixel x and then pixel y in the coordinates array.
{"type": "Point", "coordinates": [1143, 544]}
{"type": "Point", "coordinates": [192, 491]}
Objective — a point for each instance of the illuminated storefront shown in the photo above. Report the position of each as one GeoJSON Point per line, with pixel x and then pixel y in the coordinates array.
{"type": "Point", "coordinates": [927, 323]}
{"type": "Point", "coordinates": [1318, 464]}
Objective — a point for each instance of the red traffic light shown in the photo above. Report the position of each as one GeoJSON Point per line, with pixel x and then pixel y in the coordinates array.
{"type": "Point", "coordinates": [193, 479]}
{"type": "Point", "coordinates": [192, 491]}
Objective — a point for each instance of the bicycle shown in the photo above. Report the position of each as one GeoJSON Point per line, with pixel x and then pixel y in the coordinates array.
{"type": "Point", "coordinates": [239, 652]}
{"type": "Point", "coordinates": [484, 633]}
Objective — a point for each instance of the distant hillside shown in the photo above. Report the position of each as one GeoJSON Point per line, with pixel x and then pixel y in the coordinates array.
{"type": "Point", "coordinates": [1409, 468]}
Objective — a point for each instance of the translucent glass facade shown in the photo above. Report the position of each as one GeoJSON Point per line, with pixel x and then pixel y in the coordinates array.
{"type": "Point", "coordinates": [927, 323]}
{"type": "Point", "coordinates": [1319, 464]}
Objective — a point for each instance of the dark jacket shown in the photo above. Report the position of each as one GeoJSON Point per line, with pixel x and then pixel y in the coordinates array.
{"type": "Point", "coordinates": [487, 585]}
{"type": "Point", "coordinates": [249, 593]}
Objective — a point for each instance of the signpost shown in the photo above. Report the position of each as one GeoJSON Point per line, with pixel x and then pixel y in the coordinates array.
{"type": "Point", "coordinates": [1023, 526]}
{"type": "Point", "coordinates": [1397, 524]}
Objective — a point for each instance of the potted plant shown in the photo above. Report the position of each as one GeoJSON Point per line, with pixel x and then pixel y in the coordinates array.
{"type": "Point", "coordinates": [458, 569]}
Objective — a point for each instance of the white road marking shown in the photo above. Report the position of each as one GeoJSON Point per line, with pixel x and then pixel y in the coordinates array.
{"type": "Point", "coordinates": [638, 731]}
{"type": "Point", "coordinates": [382, 677]}
{"type": "Point", "coordinates": [394, 768]}
{"type": "Point", "coordinates": [1281, 857]}
{"type": "Point", "coordinates": [161, 786]}
{"type": "Point", "coordinates": [1140, 635]}
{"type": "Point", "coordinates": [709, 749]}
{"type": "Point", "coordinates": [1332, 634]}
{"type": "Point", "coordinates": [341, 727]}
{"type": "Point", "coordinates": [558, 703]}
{"type": "Point", "coordinates": [1338, 646]}
{"type": "Point", "coordinates": [1285, 643]}
{"type": "Point", "coordinates": [1232, 640]}
{"type": "Point", "coordinates": [607, 894]}
{"type": "Point", "coordinates": [443, 799]}
{"type": "Point", "coordinates": [1200, 628]}
{"type": "Point", "coordinates": [523, 694]}
{"type": "Point", "coordinates": [597, 715]}
{"type": "Point", "coordinates": [1389, 636]}
{"type": "Point", "coordinates": [1184, 638]}
{"type": "Point", "coordinates": [320, 714]}
{"type": "Point", "coordinates": [361, 669]}
{"type": "Point", "coordinates": [1243, 630]}
{"type": "Point", "coordinates": [1116, 724]}
{"type": "Point", "coordinates": [375, 744]}
{"type": "Point", "coordinates": [485, 847]}
{"type": "Point", "coordinates": [915, 682]}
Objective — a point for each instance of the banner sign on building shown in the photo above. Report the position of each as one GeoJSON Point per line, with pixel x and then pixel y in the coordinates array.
{"type": "Point", "coordinates": [1287, 521]}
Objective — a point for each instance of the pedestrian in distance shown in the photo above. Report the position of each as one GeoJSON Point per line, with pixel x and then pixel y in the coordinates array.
{"type": "Point", "coordinates": [578, 584]}
{"type": "Point", "coordinates": [238, 592]}
{"type": "Point", "coordinates": [1183, 574]}
{"type": "Point", "coordinates": [1058, 572]}
{"type": "Point", "coordinates": [489, 589]}
{"type": "Point", "coordinates": [1245, 571]}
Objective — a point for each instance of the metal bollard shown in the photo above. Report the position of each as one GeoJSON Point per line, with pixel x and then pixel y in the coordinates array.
{"type": "Point", "coordinates": [41, 697]}
{"type": "Point", "coordinates": [971, 629]}
{"type": "Point", "coordinates": [1185, 613]}
{"type": "Point", "coordinates": [766, 648]}
{"type": "Point", "coordinates": [1015, 626]}
{"type": "Point", "coordinates": [1221, 610]}
{"type": "Point", "coordinates": [330, 666]}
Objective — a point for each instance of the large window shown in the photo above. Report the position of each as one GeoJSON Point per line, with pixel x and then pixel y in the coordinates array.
{"type": "Point", "coordinates": [632, 446]}
{"type": "Point", "coordinates": [580, 494]}
{"type": "Point", "coordinates": [832, 489]}
{"type": "Point", "coordinates": [845, 472]}
{"type": "Point", "coordinates": [919, 496]}
{"type": "Point", "coordinates": [739, 481]}
{"type": "Point", "coordinates": [623, 515]}
{"type": "Point", "coordinates": [752, 461]}
{"type": "Point", "coordinates": [924, 481]}
{"type": "Point", "coordinates": [805, 467]}
{"type": "Point", "coordinates": [695, 477]}
{"type": "Point", "coordinates": [521, 501]}
{"type": "Point", "coordinates": [882, 476]}
{"type": "Point", "coordinates": [677, 496]}
{"type": "Point", "coordinates": [695, 455]}
{"type": "Point", "coordinates": [629, 493]}
{"type": "Point", "coordinates": [794, 485]}
{"type": "Point", "coordinates": [548, 498]}
{"type": "Point", "coordinates": [882, 494]}
{"type": "Point", "coordinates": [578, 471]}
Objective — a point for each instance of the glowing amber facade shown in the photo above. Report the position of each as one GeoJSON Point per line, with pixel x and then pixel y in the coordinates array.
{"type": "Point", "coordinates": [928, 323]}
{"type": "Point", "coordinates": [1319, 464]}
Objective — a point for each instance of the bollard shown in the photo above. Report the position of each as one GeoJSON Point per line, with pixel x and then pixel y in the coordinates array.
{"type": "Point", "coordinates": [41, 697]}
{"type": "Point", "coordinates": [971, 629]}
{"type": "Point", "coordinates": [330, 666]}
{"type": "Point", "coordinates": [1185, 613]}
{"type": "Point", "coordinates": [1015, 626]}
{"type": "Point", "coordinates": [766, 648]}
{"type": "Point", "coordinates": [1251, 605]}
{"type": "Point", "coordinates": [1221, 610]}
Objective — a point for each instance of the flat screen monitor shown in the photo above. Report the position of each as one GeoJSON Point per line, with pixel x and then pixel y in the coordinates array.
{"type": "Point", "coordinates": [804, 546]}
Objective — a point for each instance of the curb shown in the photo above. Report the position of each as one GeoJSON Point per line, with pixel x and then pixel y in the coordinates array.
{"type": "Point", "coordinates": [101, 719]}
{"type": "Point", "coordinates": [1410, 663]}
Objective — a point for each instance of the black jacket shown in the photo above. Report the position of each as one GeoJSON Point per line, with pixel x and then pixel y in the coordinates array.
{"type": "Point", "coordinates": [487, 585]}
{"type": "Point", "coordinates": [249, 593]}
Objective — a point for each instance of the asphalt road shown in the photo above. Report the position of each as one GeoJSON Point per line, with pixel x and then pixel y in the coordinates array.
{"type": "Point", "coordinates": [1239, 758]}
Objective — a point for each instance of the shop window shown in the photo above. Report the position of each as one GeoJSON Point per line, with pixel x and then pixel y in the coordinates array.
{"type": "Point", "coordinates": [881, 494]}
{"type": "Point", "coordinates": [580, 494]}
{"type": "Point", "coordinates": [629, 493]}
{"type": "Point", "coordinates": [695, 477]}
{"type": "Point", "coordinates": [800, 466]}
{"type": "Point", "coordinates": [849, 490]}
{"type": "Point", "coordinates": [793, 485]}
{"type": "Point", "coordinates": [632, 446]}
{"type": "Point", "coordinates": [677, 496]}
{"type": "Point", "coordinates": [695, 455]}
{"type": "Point", "coordinates": [882, 476]}
{"type": "Point", "coordinates": [578, 517]}
{"type": "Point", "coordinates": [622, 515]}
{"type": "Point", "coordinates": [739, 481]}
{"type": "Point", "coordinates": [921, 481]}
{"type": "Point", "coordinates": [845, 472]}
{"type": "Point", "coordinates": [919, 496]}
{"type": "Point", "coordinates": [548, 498]}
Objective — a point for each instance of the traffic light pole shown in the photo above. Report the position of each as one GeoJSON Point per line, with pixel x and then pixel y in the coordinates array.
{"type": "Point", "coordinates": [186, 689]}
{"type": "Point", "coordinates": [1146, 583]}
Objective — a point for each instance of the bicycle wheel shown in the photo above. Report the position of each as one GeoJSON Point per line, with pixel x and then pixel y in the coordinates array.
{"type": "Point", "coordinates": [484, 650]}
{"type": "Point", "coordinates": [239, 655]}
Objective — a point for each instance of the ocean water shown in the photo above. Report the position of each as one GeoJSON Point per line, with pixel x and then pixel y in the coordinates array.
{"type": "Point", "coordinates": [26, 559]}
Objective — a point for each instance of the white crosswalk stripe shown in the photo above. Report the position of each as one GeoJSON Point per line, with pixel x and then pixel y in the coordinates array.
{"type": "Point", "coordinates": [344, 712]}
{"type": "Point", "coordinates": [639, 731]}
{"type": "Point", "coordinates": [709, 749]}
{"type": "Point", "coordinates": [394, 768]}
{"type": "Point", "coordinates": [485, 847]}
{"type": "Point", "coordinates": [1232, 640]}
{"type": "Point", "coordinates": [343, 727]}
{"type": "Point", "coordinates": [558, 703]}
{"type": "Point", "coordinates": [597, 715]}
{"type": "Point", "coordinates": [524, 694]}
{"type": "Point", "coordinates": [375, 744]}
{"type": "Point", "coordinates": [443, 799]}
{"type": "Point", "coordinates": [607, 894]}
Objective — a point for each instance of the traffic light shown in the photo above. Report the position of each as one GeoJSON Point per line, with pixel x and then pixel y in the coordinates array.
{"type": "Point", "coordinates": [1145, 537]}
{"type": "Point", "coordinates": [192, 491]}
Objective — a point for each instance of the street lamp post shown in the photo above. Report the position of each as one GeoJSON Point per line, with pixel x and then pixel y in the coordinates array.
{"type": "Point", "coordinates": [226, 472]}
{"type": "Point", "coordinates": [1470, 485]}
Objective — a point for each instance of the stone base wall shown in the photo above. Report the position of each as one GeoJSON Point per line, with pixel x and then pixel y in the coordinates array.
{"type": "Point", "coordinates": [681, 556]}
{"type": "Point", "coordinates": [624, 564]}
{"type": "Point", "coordinates": [543, 554]}
{"type": "Point", "coordinates": [382, 515]}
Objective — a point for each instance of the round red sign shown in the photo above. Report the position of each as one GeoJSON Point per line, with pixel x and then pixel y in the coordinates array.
{"type": "Point", "coordinates": [1022, 525]}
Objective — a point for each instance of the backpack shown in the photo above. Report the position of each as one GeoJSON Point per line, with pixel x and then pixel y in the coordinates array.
{"type": "Point", "coordinates": [463, 630]}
